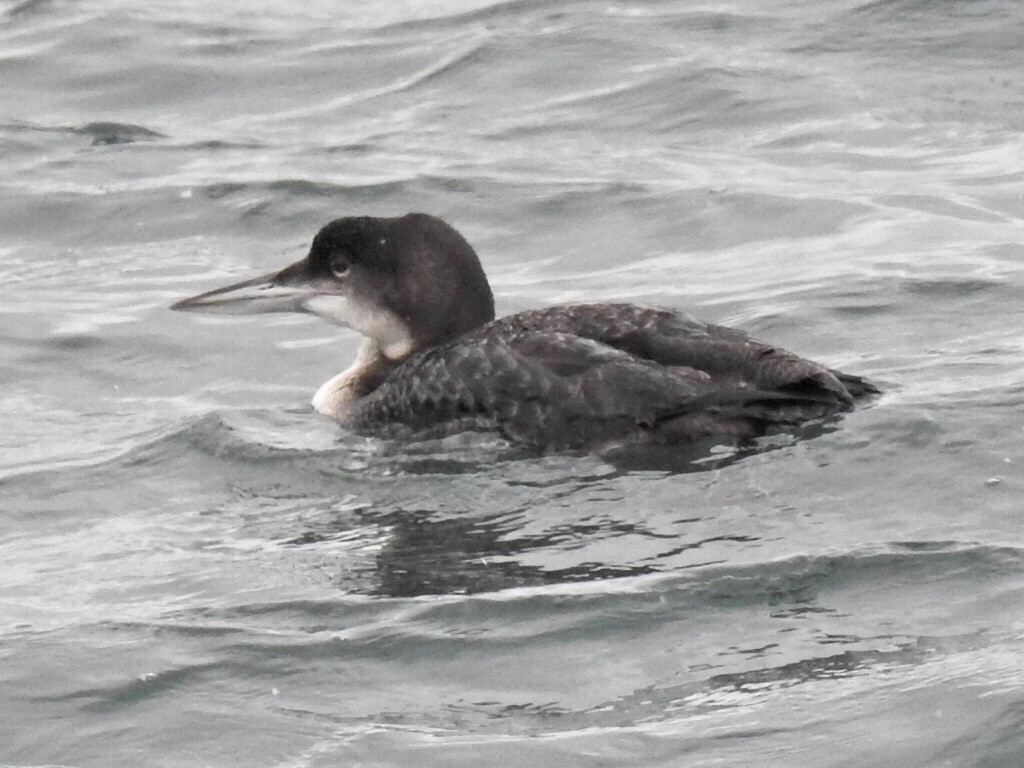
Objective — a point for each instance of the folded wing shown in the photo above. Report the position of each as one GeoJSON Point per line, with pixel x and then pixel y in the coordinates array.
{"type": "Point", "coordinates": [580, 376]}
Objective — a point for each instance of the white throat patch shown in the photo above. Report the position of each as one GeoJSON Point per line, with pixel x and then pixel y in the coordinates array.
{"type": "Point", "coordinates": [390, 335]}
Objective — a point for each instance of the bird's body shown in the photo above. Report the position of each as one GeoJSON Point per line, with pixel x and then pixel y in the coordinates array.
{"type": "Point", "coordinates": [435, 362]}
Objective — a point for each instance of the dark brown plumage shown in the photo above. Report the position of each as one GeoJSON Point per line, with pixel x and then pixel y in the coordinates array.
{"type": "Point", "coordinates": [585, 376]}
{"type": "Point", "coordinates": [593, 374]}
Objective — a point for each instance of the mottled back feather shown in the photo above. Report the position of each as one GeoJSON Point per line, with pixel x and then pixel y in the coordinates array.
{"type": "Point", "coordinates": [585, 375]}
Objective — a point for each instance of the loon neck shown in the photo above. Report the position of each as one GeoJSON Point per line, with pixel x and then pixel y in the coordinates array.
{"type": "Point", "coordinates": [338, 395]}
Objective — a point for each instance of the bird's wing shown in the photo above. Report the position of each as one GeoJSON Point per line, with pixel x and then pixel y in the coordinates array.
{"type": "Point", "coordinates": [561, 390]}
{"type": "Point", "coordinates": [726, 355]}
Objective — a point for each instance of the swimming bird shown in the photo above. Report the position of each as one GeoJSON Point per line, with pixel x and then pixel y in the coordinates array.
{"type": "Point", "coordinates": [435, 361]}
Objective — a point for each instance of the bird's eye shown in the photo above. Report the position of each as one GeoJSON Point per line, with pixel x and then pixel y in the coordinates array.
{"type": "Point", "coordinates": [339, 265]}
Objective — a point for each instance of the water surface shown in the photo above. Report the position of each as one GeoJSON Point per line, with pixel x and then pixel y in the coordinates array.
{"type": "Point", "coordinates": [199, 570]}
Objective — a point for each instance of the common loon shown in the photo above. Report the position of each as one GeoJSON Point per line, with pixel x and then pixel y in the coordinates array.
{"type": "Point", "coordinates": [435, 361]}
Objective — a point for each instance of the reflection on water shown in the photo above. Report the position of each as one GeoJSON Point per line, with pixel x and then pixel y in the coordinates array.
{"type": "Point", "coordinates": [421, 557]}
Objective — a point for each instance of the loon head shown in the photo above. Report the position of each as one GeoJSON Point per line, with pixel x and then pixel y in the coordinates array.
{"type": "Point", "coordinates": [406, 283]}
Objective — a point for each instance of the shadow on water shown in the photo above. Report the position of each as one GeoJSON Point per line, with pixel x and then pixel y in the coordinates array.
{"type": "Point", "coordinates": [465, 556]}
{"type": "Point", "coordinates": [694, 457]}
{"type": "Point", "coordinates": [450, 517]}
{"type": "Point", "coordinates": [445, 546]}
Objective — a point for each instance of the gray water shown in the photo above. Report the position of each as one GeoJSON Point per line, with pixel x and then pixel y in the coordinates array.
{"type": "Point", "coordinates": [198, 570]}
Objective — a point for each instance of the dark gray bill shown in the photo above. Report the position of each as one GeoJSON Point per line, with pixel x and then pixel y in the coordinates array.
{"type": "Point", "coordinates": [284, 291]}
